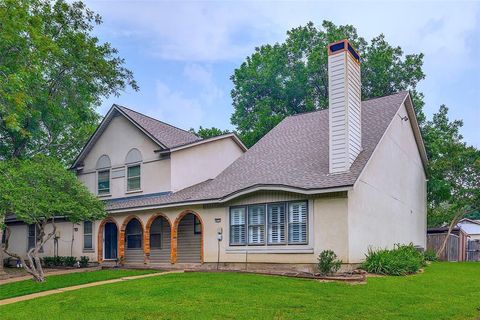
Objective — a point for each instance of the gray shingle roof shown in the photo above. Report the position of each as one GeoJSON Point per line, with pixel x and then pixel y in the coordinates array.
{"type": "Point", "coordinates": [166, 134]}
{"type": "Point", "coordinates": [293, 154]}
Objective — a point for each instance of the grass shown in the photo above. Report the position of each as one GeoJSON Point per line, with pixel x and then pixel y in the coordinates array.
{"type": "Point", "coordinates": [20, 288]}
{"type": "Point", "coordinates": [443, 291]}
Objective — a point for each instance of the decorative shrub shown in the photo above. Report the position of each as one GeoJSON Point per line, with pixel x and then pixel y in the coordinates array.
{"type": "Point", "coordinates": [69, 261]}
{"type": "Point", "coordinates": [430, 255]}
{"type": "Point", "coordinates": [49, 261]}
{"type": "Point", "coordinates": [328, 263]}
{"type": "Point", "coordinates": [59, 261]}
{"type": "Point", "coordinates": [84, 261]}
{"type": "Point", "coordinates": [401, 260]}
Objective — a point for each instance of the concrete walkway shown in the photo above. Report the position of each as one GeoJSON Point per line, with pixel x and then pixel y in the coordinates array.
{"type": "Point", "coordinates": [81, 286]}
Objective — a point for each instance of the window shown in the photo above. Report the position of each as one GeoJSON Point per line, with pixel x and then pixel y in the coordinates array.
{"type": "Point", "coordinates": [276, 223]}
{"type": "Point", "coordinates": [237, 226]}
{"type": "Point", "coordinates": [256, 224]}
{"type": "Point", "coordinates": [103, 182]}
{"type": "Point", "coordinates": [4, 236]}
{"type": "Point", "coordinates": [297, 222]}
{"type": "Point", "coordinates": [134, 234]}
{"type": "Point", "coordinates": [197, 225]}
{"type": "Point", "coordinates": [87, 235]}
{"type": "Point", "coordinates": [285, 223]}
{"type": "Point", "coordinates": [156, 234]}
{"type": "Point", "coordinates": [32, 236]}
{"type": "Point", "coordinates": [133, 178]}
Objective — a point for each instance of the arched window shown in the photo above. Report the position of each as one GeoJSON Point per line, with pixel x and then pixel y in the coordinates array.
{"type": "Point", "coordinates": [133, 161]}
{"type": "Point", "coordinates": [133, 234]}
{"type": "Point", "coordinates": [103, 175]}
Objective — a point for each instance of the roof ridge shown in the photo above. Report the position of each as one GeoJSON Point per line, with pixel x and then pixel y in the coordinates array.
{"type": "Point", "coordinates": [162, 122]}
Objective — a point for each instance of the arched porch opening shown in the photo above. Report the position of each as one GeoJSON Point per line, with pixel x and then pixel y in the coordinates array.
{"type": "Point", "coordinates": [132, 241]}
{"type": "Point", "coordinates": [187, 238]}
{"type": "Point", "coordinates": [158, 239]}
{"type": "Point", "coordinates": [108, 241]}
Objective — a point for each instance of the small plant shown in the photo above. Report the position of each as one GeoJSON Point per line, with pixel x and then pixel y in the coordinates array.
{"type": "Point", "coordinates": [48, 261]}
{"type": "Point", "coordinates": [430, 255]}
{"type": "Point", "coordinates": [328, 263]}
{"type": "Point", "coordinates": [399, 261]}
{"type": "Point", "coordinates": [84, 261]}
{"type": "Point", "coordinates": [69, 261]}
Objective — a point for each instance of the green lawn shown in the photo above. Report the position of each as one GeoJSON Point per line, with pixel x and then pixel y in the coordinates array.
{"type": "Point", "coordinates": [21, 288]}
{"type": "Point", "coordinates": [444, 291]}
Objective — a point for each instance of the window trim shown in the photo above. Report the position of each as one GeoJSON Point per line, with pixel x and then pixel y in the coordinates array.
{"type": "Point", "coordinates": [266, 243]}
{"type": "Point", "coordinates": [139, 164]}
{"type": "Point", "coordinates": [91, 235]}
{"type": "Point", "coordinates": [106, 194]}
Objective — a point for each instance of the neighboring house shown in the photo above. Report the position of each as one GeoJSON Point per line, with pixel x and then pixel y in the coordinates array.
{"type": "Point", "coordinates": [470, 227]}
{"type": "Point", "coordinates": [346, 179]}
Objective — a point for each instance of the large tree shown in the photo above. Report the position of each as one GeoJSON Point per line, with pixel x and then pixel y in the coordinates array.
{"type": "Point", "coordinates": [453, 173]}
{"type": "Point", "coordinates": [291, 77]}
{"type": "Point", "coordinates": [206, 133]}
{"type": "Point", "coordinates": [38, 191]}
{"type": "Point", "coordinates": [53, 75]}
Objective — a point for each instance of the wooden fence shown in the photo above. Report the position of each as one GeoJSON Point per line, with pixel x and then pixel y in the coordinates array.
{"type": "Point", "coordinates": [473, 250]}
{"type": "Point", "coordinates": [451, 253]}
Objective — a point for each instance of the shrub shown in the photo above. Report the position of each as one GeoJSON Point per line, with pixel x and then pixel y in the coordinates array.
{"type": "Point", "coordinates": [84, 261]}
{"type": "Point", "coordinates": [328, 263]}
{"type": "Point", "coordinates": [69, 261]}
{"type": "Point", "coordinates": [401, 260]}
{"type": "Point", "coordinates": [430, 255]}
{"type": "Point", "coordinates": [48, 261]}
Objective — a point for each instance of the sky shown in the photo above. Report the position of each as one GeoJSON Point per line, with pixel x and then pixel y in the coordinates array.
{"type": "Point", "coordinates": [183, 53]}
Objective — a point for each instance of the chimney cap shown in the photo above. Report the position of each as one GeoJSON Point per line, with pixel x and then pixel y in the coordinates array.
{"type": "Point", "coordinates": [343, 45]}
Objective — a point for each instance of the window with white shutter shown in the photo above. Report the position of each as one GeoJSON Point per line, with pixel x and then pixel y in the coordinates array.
{"type": "Point", "coordinates": [297, 222]}
{"type": "Point", "coordinates": [238, 226]}
{"type": "Point", "coordinates": [256, 224]}
{"type": "Point", "coordinates": [276, 223]}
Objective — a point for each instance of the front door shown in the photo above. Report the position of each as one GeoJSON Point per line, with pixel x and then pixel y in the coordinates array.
{"type": "Point", "coordinates": [110, 241]}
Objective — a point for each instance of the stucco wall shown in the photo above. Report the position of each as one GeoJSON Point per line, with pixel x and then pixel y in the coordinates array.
{"type": "Point", "coordinates": [388, 202]}
{"type": "Point", "coordinates": [327, 230]}
{"type": "Point", "coordinates": [205, 161]}
{"type": "Point", "coordinates": [117, 140]}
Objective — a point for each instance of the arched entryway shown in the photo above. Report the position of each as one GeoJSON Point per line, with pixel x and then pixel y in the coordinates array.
{"type": "Point", "coordinates": [158, 233]}
{"type": "Point", "coordinates": [133, 241]}
{"type": "Point", "coordinates": [187, 238]}
{"type": "Point", "coordinates": [108, 243]}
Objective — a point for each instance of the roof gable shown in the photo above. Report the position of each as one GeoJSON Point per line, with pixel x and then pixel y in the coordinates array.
{"type": "Point", "coordinates": [164, 135]}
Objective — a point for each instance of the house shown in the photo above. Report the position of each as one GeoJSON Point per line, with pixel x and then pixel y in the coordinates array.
{"type": "Point", "coordinates": [470, 227]}
{"type": "Point", "coordinates": [345, 179]}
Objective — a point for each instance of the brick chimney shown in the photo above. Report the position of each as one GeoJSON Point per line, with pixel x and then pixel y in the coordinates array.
{"type": "Point", "coordinates": [344, 98]}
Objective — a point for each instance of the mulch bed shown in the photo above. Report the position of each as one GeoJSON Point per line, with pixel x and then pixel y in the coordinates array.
{"type": "Point", "coordinates": [349, 277]}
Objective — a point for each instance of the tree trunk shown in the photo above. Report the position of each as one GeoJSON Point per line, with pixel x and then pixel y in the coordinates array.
{"type": "Point", "coordinates": [2, 272]}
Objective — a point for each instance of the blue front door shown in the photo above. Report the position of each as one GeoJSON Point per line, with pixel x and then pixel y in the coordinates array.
{"type": "Point", "coordinates": [110, 241]}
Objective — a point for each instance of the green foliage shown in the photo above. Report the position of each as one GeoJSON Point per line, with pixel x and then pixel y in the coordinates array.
{"type": "Point", "coordinates": [54, 73]}
{"type": "Point", "coordinates": [401, 260]}
{"type": "Point", "coordinates": [69, 261]}
{"type": "Point", "coordinates": [39, 189]}
{"type": "Point", "coordinates": [291, 77]}
{"type": "Point", "coordinates": [84, 261]}
{"type": "Point", "coordinates": [60, 261]}
{"type": "Point", "coordinates": [430, 255]}
{"type": "Point", "coordinates": [206, 133]}
{"type": "Point", "coordinates": [453, 171]}
{"type": "Point", "coordinates": [328, 263]}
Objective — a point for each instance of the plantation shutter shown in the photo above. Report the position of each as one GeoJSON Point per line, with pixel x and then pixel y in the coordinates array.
{"type": "Point", "coordinates": [297, 222]}
{"type": "Point", "coordinates": [276, 223]}
{"type": "Point", "coordinates": [237, 226]}
{"type": "Point", "coordinates": [256, 224]}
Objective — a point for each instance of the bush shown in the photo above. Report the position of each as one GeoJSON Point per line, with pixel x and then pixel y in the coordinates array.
{"type": "Point", "coordinates": [59, 261]}
{"type": "Point", "coordinates": [430, 255]}
{"type": "Point", "coordinates": [401, 260]}
{"type": "Point", "coordinates": [328, 263]}
{"type": "Point", "coordinates": [84, 261]}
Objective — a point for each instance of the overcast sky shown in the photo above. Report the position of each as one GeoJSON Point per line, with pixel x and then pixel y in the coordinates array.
{"type": "Point", "coordinates": [183, 53]}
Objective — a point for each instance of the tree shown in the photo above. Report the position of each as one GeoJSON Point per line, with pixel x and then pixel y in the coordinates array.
{"type": "Point", "coordinates": [453, 173]}
{"type": "Point", "coordinates": [38, 191]}
{"type": "Point", "coordinates": [292, 77]}
{"type": "Point", "coordinates": [206, 133]}
{"type": "Point", "coordinates": [53, 76]}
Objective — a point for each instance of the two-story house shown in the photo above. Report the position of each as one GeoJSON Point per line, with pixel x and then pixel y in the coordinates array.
{"type": "Point", "coordinates": [346, 179]}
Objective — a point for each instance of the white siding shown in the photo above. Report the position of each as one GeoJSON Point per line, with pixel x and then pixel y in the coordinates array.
{"type": "Point", "coordinates": [344, 111]}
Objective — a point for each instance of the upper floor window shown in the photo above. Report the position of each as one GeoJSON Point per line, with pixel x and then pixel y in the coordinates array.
{"type": "Point", "coordinates": [103, 175]}
{"type": "Point", "coordinates": [269, 224]}
{"type": "Point", "coordinates": [133, 161]}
